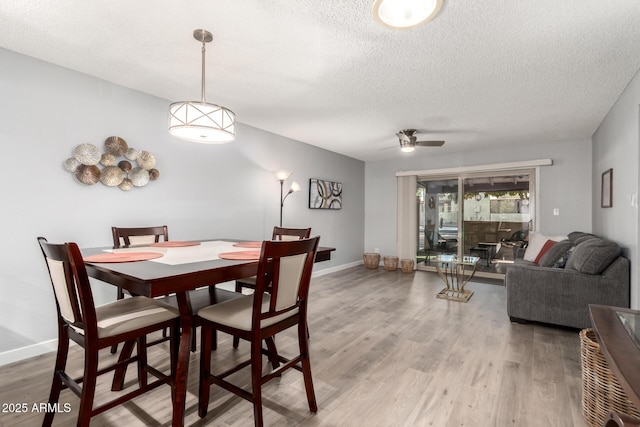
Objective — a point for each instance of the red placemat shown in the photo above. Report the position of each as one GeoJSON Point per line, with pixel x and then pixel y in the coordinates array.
{"type": "Point", "coordinates": [123, 257]}
{"type": "Point", "coordinates": [248, 245]}
{"type": "Point", "coordinates": [174, 244]}
{"type": "Point", "coordinates": [240, 255]}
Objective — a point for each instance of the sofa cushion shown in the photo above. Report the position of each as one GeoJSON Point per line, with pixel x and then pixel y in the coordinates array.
{"type": "Point", "coordinates": [555, 254]}
{"type": "Point", "coordinates": [593, 256]}
{"type": "Point", "coordinates": [536, 242]}
{"type": "Point", "coordinates": [545, 248]}
{"type": "Point", "coordinates": [575, 235]}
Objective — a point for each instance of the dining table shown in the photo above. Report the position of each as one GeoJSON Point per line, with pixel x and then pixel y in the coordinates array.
{"type": "Point", "coordinates": [180, 269]}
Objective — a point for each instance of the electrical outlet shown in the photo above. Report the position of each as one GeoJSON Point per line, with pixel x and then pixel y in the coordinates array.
{"type": "Point", "coordinates": [556, 211]}
{"type": "Point", "coordinates": [376, 250]}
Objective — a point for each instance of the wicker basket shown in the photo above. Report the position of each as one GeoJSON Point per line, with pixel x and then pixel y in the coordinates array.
{"type": "Point", "coordinates": [601, 392]}
{"type": "Point", "coordinates": [371, 260]}
{"type": "Point", "coordinates": [406, 265]}
{"type": "Point", "coordinates": [390, 263]}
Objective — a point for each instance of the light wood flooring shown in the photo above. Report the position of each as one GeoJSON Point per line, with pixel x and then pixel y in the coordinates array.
{"type": "Point", "coordinates": [384, 352]}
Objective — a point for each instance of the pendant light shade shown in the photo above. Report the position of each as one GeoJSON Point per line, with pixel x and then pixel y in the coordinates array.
{"type": "Point", "coordinates": [200, 121]}
{"type": "Point", "coordinates": [405, 14]}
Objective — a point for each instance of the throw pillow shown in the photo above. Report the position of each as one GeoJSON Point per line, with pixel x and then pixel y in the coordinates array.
{"type": "Point", "coordinates": [593, 256]}
{"type": "Point", "coordinates": [562, 261]}
{"type": "Point", "coordinates": [545, 248]}
{"type": "Point", "coordinates": [536, 242]}
{"type": "Point", "coordinates": [555, 253]}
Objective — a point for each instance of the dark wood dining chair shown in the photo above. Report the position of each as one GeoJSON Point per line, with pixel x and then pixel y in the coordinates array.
{"type": "Point", "coordinates": [279, 233]}
{"type": "Point", "coordinates": [199, 298]}
{"type": "Point", "coordinates": [284, 269]}
{"type": "Point", "coordinates": [124, 237]}
{"type": "Point", "coordinates": [94, 328]}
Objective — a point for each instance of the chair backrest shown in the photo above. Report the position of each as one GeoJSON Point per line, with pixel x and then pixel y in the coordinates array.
{"type": "Point", "coordinates": [71, 287]}
{"type": "Point", "coordinates": [281, 233]}
{"type": "Point", "coordinates": [285, 270]}
{"type": "Point", "coordinates": [134, 236]}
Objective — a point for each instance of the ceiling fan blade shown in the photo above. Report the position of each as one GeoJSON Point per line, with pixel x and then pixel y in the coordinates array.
{"type": "Point", "coordinates": [430, 143]}
{"type": "Point", "coordinates": [389, 148]}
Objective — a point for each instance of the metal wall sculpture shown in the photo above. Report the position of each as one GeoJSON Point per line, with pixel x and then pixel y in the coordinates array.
{"type": "Point", "coordinates": [87, 159]}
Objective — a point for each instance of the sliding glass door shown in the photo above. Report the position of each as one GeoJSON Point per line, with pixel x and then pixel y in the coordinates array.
{"type": "Point", "coordinates": [437, 218]}
{"type": "Point", "coordinates": [487, 215]}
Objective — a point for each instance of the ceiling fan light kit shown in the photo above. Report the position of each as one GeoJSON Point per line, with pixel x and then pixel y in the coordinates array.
{"type": "Point", "coordinates": [405, 14]}
{"type": "Point", "coordinates": [406, 146]}
{"type": "Point", "coordinates": [408, 141]}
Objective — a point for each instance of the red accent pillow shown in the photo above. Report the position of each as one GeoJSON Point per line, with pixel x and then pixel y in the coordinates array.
{"type": "Point", "coordinates": [547, 245]}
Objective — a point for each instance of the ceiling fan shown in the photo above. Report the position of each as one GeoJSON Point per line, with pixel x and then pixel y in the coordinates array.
{"type": "Point", "coordinates": [408, 141]}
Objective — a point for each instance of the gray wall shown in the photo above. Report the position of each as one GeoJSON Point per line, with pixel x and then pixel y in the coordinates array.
{"type": "Point", "coordinates": [203, 190]}
{"type": "Point", "coordinates": [615, 145]}
{"type": "Point", "coordinates": [566, 185]}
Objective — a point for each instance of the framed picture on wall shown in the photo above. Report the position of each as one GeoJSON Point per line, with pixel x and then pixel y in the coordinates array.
{"type": "Point", "coordinates": [606, 193]}
{"type": "Point", "coordinates": [325, 194]}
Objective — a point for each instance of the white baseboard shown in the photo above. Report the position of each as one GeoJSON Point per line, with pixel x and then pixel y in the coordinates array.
{"type": "Point", "coordinates": [33, 350]}
{"type": "Point", "coordinates": [319, 273]}
{"type": "Point", "coordinates": [22, 353]}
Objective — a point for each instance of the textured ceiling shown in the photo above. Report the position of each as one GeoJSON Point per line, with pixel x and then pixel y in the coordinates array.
{"type": "Point", "coordinates": [482, 73]}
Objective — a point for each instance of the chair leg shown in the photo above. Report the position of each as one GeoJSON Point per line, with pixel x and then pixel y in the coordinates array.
{"type": "Point", "coordinates": [193, 339]}
{"type": "Point", "coordinates": [174, 349]}
{"type": "Point", "coordinates": [256, 383]}
{"type": "Point", "coordinates": [119, 295]}
{"type": "Point", "coordinates": [61, 363]}
{"type": "Point", "coordinates": [142, 361]}
{"type": "Point", "coordinates": [205, 369]}
{"type": "Point", "coordinates": [272, 352]}
{"type": "Point", "coordinates": [174, 344]}
{"type": "Point", "coordinates": [306, 367]}
{"type": "Point", "coordinates": [88, 387]}
{"type": "Point", "coordinates": [236, 340]}
{"type": "Point", "coordinates": [121, 372]}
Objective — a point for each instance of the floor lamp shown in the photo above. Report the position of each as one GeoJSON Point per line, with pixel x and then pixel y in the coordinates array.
{"type": "Point", "coordinates": [282, 176]}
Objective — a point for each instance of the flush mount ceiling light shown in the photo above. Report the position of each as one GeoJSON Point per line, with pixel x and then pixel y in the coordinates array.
{"type": "Point", "coordinates": [199, 121]}
{"type": "Point", "coordinates": [405, 14]}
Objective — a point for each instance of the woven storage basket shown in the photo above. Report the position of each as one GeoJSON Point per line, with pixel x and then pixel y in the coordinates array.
{"type": "Point", "coordinates": [390, 263]}
{"type": "Point", "coordinates": [601, 392]}
{"type": "Point", "coordinates": [371, 260]}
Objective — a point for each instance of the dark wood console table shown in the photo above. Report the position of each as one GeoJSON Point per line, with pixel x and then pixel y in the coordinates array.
{"type": "Point", "coordinates": [618, 332]}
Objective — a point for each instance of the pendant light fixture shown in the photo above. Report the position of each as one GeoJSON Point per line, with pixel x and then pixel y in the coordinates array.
{"type": "Point", "coordinates": [200, 121]}
{"type": "Point", "coordinates": [405, 14]}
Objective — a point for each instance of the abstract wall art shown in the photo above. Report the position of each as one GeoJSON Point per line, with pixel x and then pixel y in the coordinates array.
{"type": "Point", "coordinates": [325, 194]}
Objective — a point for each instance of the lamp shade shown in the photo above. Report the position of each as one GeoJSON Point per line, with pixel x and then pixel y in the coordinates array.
{"type": "Point", "coordinates": [294, 187]}
{"type": "Point", "coordinates": [405, 14]}
{"type": "Point", "coordinates": [282, 175]}
{"type": "Point", "coordinates": [202, 122]}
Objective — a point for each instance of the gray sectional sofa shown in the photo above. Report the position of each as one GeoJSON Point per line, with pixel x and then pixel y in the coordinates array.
{"type": "Point", "coordinates": [581, 270]}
